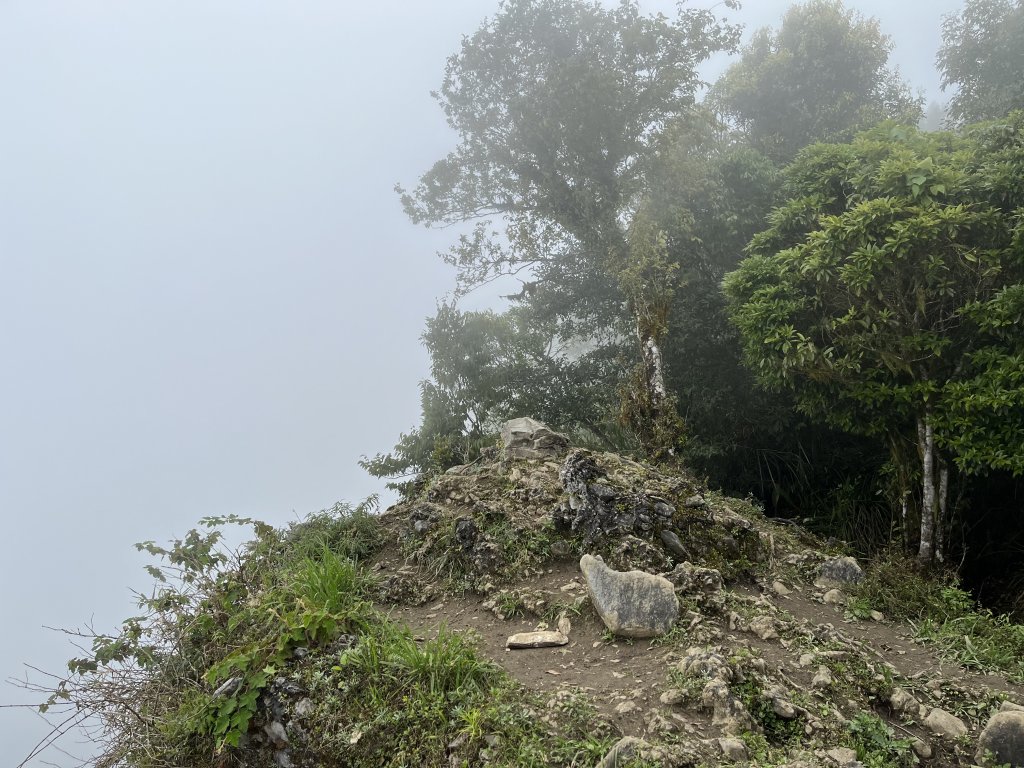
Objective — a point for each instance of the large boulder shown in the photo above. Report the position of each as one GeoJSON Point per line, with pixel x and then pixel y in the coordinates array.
{"type": "Point", "coordinates": [630, 603]}
{"type": "Point", "coordinates": [1002, 741]}
{"type": "Point", "coordinates": [526, 438]}
{"type": "Point", "coordinates": [839, 572]}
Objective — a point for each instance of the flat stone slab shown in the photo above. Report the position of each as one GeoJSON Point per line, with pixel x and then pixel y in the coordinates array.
{"type": "Point", "coordinates": [630, 603]}
{"type": "Point", "coordinates": [536, 640]}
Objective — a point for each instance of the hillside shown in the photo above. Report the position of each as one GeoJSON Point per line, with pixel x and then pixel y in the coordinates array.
{"type": "Point", "coordinates": [362, 640]}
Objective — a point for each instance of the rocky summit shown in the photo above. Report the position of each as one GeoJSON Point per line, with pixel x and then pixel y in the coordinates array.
{"type": "Point", "coordinates": [703, 633]}
{"type": "Point", "coordinates": [547, 605]}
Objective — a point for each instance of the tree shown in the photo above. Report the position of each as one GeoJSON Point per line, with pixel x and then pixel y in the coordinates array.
{"type": "Point", "coordinates": [982, 57]}
{"type": "Point", "coordinates": [485, 369]}
{"type": "Point", "coordinates": [558, 105]}
{"type": "Point", "coordinates": [871, 294]}
{"type": "Point", "coordinates": [821, 77]}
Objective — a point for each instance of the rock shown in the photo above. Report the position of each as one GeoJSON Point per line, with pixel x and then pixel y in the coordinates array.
{"type": "Point", "coordinates": [783, 708]}
{"type": "Point", "coordinates": [694, 502]}
{"type": "Point", "coordinates": [701, 661]}
{"type": "Point", "coordinates": [729, 713]}
{"type": "Point", "coordinates": [921, 748]}
{"type": "Point", "coordinates": [626, 708]}
{"type": "Point", "coordinates": [624, 750]}
{"type": "Point", "coordinates": [276, 734]}
{"type": "Point", "coordinates": [903, 703]}
{"type": "Point", "coordinates": [1002, 740]}
{"type": "Point", "coordinates": [564, 625]}
{"type": "Point", "coordinates": [1009, 706]}
{"type": "Point", "coordinates": [781, 589]}
{"type": "Point", "coordinates": [942, 723]}
{"type": "Point", "coordinates": [842, 755]}
{"type": "Point", "coordinates": [631, 603]}
{"type": "Point", "coordinates": [838, 572]}
{"type": "Point", "coordinates": [805, 660]}
{"type": "Point", "coordinates": [877, 616]}
{"type": "Point", "coordinates": [672, 696]}
{"type": "Point", "coordinates": [733, 749]}
{"type": "Point", "coordinates": [304, 708]}
{"type": "Point", "coordinates": [674, 544]}
{"type": "Point", "coordinates": [764, 627]}
{"type": "Point", "coordinates": [834, 597]}
{"type": "Point", "coordinates": [822, 679]}
{"type": "Point", "coordinates": [688, 577]}
{"type": "Point", "coordinates": [536, 640]}
{"type": "Point", "coordinates": [526, 438]}
{"type": "Point", "coordinates": [228, 688]}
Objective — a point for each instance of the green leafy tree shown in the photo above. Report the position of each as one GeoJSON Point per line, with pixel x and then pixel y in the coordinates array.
{"type": "Point", "coordinates": [982, 57]}
{"type": "Point", "coordinates": [558, 105]}
{"type": "Point", "coordinates": [488, 367]}
{"type": "Point", "coordinates": [871, 294]}
{"type": "Point", "coordinates": [822, 76]}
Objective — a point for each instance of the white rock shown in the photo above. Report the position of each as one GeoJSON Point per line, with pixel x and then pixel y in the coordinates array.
{"type": "Point", "coordinates": [942, 723]}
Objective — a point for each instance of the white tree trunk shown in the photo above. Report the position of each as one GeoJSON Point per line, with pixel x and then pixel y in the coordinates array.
{"type": "Point", "coordinates": [926, 444]}
{"type": "Point", "coordinates": [941, 518]}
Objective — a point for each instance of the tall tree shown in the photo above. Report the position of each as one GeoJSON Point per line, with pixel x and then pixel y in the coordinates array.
{"type": "Point", "coordinates": [872, 294]}
{"type": "Point", "coordinates": [558, 105]}
{"type": "Point", "coordinates": [822, 76]}
{"type": "Point", "coordinates": [982, 57]}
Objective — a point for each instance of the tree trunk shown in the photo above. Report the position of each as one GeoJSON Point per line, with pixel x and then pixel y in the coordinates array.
{"type": "Point", "coordinates": [654, 366]}
{"type": "Point", "coordinates": [926, 444]}
{"type": "Point", "coordinates": [941, 518]}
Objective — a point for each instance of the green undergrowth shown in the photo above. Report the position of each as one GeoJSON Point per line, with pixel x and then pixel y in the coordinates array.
{"type": "Point", "coordinates": [231, 640]}
{"type": "Point", "coordinates": [942, 614]}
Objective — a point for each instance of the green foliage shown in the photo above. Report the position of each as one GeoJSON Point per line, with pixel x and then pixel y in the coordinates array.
{"type": "Point", "coordinates": [821, 77]}
{"type": "Point", "coordinates": [876, 745]}
{"type": "Point", "coordinates": [867, 295]}
{"type": "Point", "coordinates": [218, 618]}
{"type": "Point", "coordinates": [982, 57]}
{"type": "Point", "coordinates": [943, 614]}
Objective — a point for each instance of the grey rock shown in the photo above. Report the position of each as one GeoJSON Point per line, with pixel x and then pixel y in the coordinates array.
{"type": "Point", "coordinates": [1003, 739]}
{"type": "Point", "coordinates": [694, 502]}
{"type": "Point", "coordinates": [822, 678]}
{"type": "Point", "coordinates": [536, 640]}
{"type": "Point", "coordinates": [764, 627]}
{"type": "Point", "coordinates": [838, 572]}
{"type": "Point", "coordinates": [733, 749]}
{"type": "Point", "coordinates": [842, 755]}
{"type": "Point", "coordinates": [631, 603]}
{"type": "Point", "coordinates": [228, 688]}
{"type": "Point", "coordinates": [1009, 706]}
{"type": "Point", "coordinates": [276, 733]}
{"type": "Point", "coordinates": [921, 748]}
{"type": "Point", "coordinates": [304, 708]}
{"type": "Point", "coordinates": [701, 661]}
{"type": "Point", "coordinates": [526, 438]}
{"type": "Point", "coordinates": [729, 713]}
{"type": "Point", "coordinates": [674, 544]}
{"type": "Point", "coordinates": [834, 597]}
{"type": "Point", "coordinates": [624, 750]}
{"type": "Point", "coordinates": [904, 703]}
{"type": "Point", "coordinates": [693, 578]}
{"type": "Point", "coordinates": [942, 723]}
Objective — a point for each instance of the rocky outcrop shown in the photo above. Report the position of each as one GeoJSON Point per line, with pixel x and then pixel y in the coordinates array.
{"type": "Point", "coordinates": [526, 438]}
{"type": "Point", "coordinates": [631, 604]}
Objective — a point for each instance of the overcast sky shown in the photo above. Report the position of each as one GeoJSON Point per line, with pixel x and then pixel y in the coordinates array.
{"type": "Point", "coordinates": [210, 300]}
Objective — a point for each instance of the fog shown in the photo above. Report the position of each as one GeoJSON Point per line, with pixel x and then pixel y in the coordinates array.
{"type": "Point", "coordinates": [210, 299]}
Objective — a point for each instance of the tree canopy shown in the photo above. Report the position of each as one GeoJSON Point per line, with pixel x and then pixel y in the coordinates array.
{"type": "Point", "coordinates": [822, 76]}
{"type": "Point", "coordinates": [874, 294]}
{"type": "Point", "coordinates": [982, 58]}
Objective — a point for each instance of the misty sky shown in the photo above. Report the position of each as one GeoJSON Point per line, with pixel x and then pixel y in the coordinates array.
{"type": "Point", "coordinates": [210, 300]}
